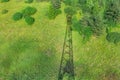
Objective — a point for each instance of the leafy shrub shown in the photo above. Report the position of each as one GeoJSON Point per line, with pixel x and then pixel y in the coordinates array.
{"type": "Point", "coordinates": [112, 14]}
{"type": "Point", "coordinates": [28, 1]}
{"type": "Point", "coordinates": [68, 2]}
{"type": "Point", "coordinates": [4, 11]}
{"type": "Point", "coordinates": [69, 11]}
{"type": "Point", "coordinates": [29, 20]}
{"type": "Point", "coordinates": [113, 37]}
{"type": "Point", "coordinates": [53, 12]}
{"type": "Point", "coordinates": [84, 30]}
{"type": "Point", "coordinates": [17, 16]}
{"type": "Point", "coordinates": [29, 11]}
{"type": "Point", "coordinates": [5, 0]}
{"type": "Point", "coordinates": [96, 24]}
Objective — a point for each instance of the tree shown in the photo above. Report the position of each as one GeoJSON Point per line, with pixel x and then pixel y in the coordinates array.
{"type": "Point", "coordinates": [112, 13]}
{"type": "Point", "coordinates": [113, 37]}
{"type": "Point", "coordinates": [96, 14]}
{"type": "Point", "coordinates": [17, 16]}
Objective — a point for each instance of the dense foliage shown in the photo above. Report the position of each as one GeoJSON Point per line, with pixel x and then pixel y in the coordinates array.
{"type": "Point", "coordinates": [28, 1]}
{"type": "Point", "coordinates": [53, 12]}
{"type": "Point", "coordinates": [113, 37]}
{"type": "Point", "coordinates": [112, 13]}
{"type": "Point", "coordinates": [69, 11]}
{"type": "Point", "coordinates": [5, 0]}
{"type": "Point", "coordinates": [29, 20]}
{"type": "Point", "coordinates": [26, 13]}
{"type": "Point", "coordinates": [17, 16]}
{"type": "Point", "coordinates": [96, 14]}
{"type": "Point", "coordinates": [29, 11]}
{"type": "Point", "coordinates": [83, 28]}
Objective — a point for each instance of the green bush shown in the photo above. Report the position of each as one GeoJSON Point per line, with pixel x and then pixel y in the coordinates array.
{"type": "Point", "coordinates": [83, 29]}
{"type": "Point", "coordinates": [113, 37]}
{"type": "Point", "coordinates": [5, 0]}
{"type": "Point", "coordinates": [29, 20]}
{"type": "Point", "coordinates": [17, 16]}
{"type": "Point", "coordinates": [69, 11]}
{"type": "Point", "coordinates": [112, 14]}
{"type": "Point", "coordinates": [28, 1]}
{"type": "Point", "coordinates": [53, 12]}
{"type": "Point", "coordinates": [29, 11]}
{"type": "Point", "coordinates": [4, 11]}
{"type": "Point", "coordinates": [68, 2]}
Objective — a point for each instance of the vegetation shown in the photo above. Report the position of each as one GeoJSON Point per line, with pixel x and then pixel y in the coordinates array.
{"type": "Point", "coordinates": [17, 16]}
{"type": "Point", "coordinates": [56, 4]}
{"type": "Point", "coordinates": [33, 53]}
{"type": "Point", "coordinates": [28, 11]}
{"type": "Point", "coordinates": [112, 13]}
{"type": "Point", "coordinates": [113, 37]}
{"type": "Point", "coordinates": [53, 12]}
{"type": "Point", "coordinates": [69, 11]}
{"type": "Point", "coordinates": [5, 0]}
{"type": "Point", "coordinates": [28, 1]}
{"type": "Point", "coordinates": [4, 11]}
{"type": "Point", "coordinates": [29, 20]}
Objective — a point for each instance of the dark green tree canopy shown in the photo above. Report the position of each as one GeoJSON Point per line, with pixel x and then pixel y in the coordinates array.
{"type": "Point", "coordinates": [97, 15]}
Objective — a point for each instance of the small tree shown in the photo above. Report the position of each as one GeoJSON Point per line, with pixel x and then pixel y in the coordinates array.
{"type": "Point", "coordinates": [29, 20]}
{"type": "Point", "coordinates": [112, 13]}
{"type": "Point", "coordinates": [53, 12]}
{"type": "Point", "coordinates": [28, 1]}
{"type": "Point", "coordinates": [113, 37]}
{"type": "Point", "coordinates": [28, 11]}
{"type": "Point", "coordinates": [5, 0]}
{"type": "Point", "coordinates": [17, 16]}
{"type": "Point", "coordinates": [95, 13]}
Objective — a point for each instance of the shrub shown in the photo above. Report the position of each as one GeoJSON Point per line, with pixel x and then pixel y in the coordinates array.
{"type": "Point", "coordinates": [17, 16]}
{"type": "Point", "coordinates": [4, 11]}
{"type": "Point", "coordinates": [112, 14]}
{"type": "Point", "coordinates": [5, 0]}
{"type": "Point", "coordinates": [70, 11]}
{"type": "Point", "coordinates": [28, 1]}
{"type": "Point", "coordinates": [113, 37]}
{"type": "Point", "coordinates": [68, 2]}
{"type": "Point", "coordinates": [53, 12]}
{"type": "Point", "coordinates": [29, 11]}
{"type": "Point", "coordinates": [83, 29]}
{"type": "Point", "coordinates": [29, 20]}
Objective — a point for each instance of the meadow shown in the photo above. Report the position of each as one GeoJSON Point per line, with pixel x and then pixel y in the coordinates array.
{"type": "Point", "coordinates": [33, 52]}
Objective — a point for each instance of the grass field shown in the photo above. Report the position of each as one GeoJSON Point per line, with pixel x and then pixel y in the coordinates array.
{"type": "Point", "coordinates": [33, 52]}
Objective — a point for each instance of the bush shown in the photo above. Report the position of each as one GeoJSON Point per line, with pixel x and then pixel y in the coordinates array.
{"type": "Point", "coordinates": [112, 14]}
{"type": "Point", "coordinates": [17, 16]}
{"type": "Point", "coordinates": [113, 37]}
{"type": "Point", "coordinates": [53, 12]}
{"type": "Point", "coordinates": [4, 11]}
{"type": "Point", "coordinates": [29, 11]}
{"type": "Point", "coordinates": [68, 2]}
{"type": "Point", "coordinates": [29, 20]}
{"type": "Point", "coordinates": [84, 30]}
{"type": "Point", "coordinates": [28, 1]}
{"type": "Point", "coordinates": [70, 11]}
{"type": "Point", "coordinates": [5, 0]}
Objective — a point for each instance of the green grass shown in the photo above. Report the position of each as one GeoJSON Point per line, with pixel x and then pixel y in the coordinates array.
{"type": "Point", "coordinates": [33, 52]}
